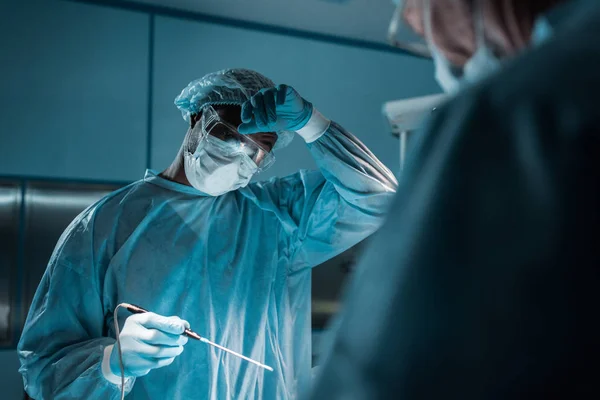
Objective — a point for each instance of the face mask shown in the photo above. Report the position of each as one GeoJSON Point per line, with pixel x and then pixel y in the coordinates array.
{"type": "Point", "coordinates": [482, 64]}
{"type": "Point", "coordinates": [446, 77]}
{"type": "Point", "coordinates": [212, 170]}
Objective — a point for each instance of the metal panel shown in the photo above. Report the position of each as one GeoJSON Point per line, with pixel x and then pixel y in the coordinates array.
{"type": "Point", "coordinates": [11, 381]}
{"type": "Point", "coordinates": [50, 207]}
{"type": "Point", "coordinates": [10, 211]}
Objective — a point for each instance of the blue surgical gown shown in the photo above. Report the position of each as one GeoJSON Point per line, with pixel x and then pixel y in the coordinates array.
{"type": "Point", "coordinates": [483, 283]}
{"type": "Point", "coordinates": [237, 267]}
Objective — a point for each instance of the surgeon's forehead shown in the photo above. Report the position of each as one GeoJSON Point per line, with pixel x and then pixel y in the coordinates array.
{"type": "Point", "coordinates": [230, 113]}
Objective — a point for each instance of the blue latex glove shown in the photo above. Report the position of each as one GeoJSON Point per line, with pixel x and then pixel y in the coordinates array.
{"type": "Point", "coordinates": [274, 110]}
{"type": "Point", "coordinates": [148, 341]}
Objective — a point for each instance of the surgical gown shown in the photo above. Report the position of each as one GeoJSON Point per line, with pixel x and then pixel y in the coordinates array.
{"type": "Point", "coordinates": [237, 267]}
{"type": "Point", "coordinates": [484, 281]}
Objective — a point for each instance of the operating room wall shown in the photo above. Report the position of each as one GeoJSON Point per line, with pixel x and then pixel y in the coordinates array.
{"type": "Point", "coordinates": [86, 90]}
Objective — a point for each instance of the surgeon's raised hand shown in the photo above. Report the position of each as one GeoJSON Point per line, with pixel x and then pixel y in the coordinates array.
{"type": "Point", "coordinates": [274, 110]}
{"type": "Point", "coordinates": [148, 341]}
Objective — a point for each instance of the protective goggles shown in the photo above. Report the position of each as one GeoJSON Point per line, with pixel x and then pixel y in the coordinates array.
{"type": "Point", "coordinates": [401, 35]}
{"type": "Point", "coordinates": [235, 143]}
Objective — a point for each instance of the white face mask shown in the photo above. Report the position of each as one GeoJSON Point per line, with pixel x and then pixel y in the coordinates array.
{"type": "Point", "coordinates": [212, 171]}
{"type": "Point", "coordinates": [448, 79]}
{"type": "Point", "coordinates": [482, 64]}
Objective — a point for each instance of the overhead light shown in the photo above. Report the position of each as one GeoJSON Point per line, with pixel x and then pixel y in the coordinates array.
{"type": "Point", "coordinates": [405, 116]}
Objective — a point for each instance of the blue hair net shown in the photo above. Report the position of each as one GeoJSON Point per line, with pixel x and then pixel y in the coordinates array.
{"type": "Point", "coordinates": [229, 86]}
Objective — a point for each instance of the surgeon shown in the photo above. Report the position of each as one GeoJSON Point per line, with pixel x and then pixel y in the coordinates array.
{"type": "Point", "coordinates": [483, 283]}
{"type": "Point", "coordinates": [230, 258]}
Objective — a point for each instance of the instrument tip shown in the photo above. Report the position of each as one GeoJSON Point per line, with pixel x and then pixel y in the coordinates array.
{"type": "Point", "coordinates": [193, 334]}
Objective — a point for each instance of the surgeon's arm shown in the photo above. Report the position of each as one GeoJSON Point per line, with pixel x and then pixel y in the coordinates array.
{"type": "Point", "coordinates": [357, 175]}
{"type": "Point", "coordinates": [323, 212]}
{"type": "Point", "coordinates": [347, 200]}
{"type": "Point", "coordinates": [62, 345]}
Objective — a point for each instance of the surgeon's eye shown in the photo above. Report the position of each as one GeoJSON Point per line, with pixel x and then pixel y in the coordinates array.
{"type": "Point", "coordinates": [249, 150]}
{"type": "Point", "coordinates": [230, 137]}
{"type": "Point", "coordinates": [224, 133]}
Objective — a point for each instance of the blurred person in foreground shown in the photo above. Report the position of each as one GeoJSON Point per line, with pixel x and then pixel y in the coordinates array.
{"type": "Point", "coordinates": [483, 282]}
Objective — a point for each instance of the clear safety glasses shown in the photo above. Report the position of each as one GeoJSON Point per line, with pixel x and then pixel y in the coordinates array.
{"type": "Point", "coordinates": [401, 35]}
{"type": "Point", "coordinates": [233, 142]}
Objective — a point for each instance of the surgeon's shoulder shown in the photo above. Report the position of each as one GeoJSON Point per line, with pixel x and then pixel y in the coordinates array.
{"type": "Point", "coordinates": [278, 190]}
{"type": "Point", "coordinates": [119, 199]}
{"type": "Point", "coordinates": [99, 217]}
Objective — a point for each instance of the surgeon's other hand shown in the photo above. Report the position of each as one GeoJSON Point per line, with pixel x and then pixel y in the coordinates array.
{"type": "Point", "coordinates": [274, 110]}
{"type": "Point", "coordinates": [148, 341]}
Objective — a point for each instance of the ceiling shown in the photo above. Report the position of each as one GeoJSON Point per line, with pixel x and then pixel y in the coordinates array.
{"type": "Point", "coordinates": [365, 20]}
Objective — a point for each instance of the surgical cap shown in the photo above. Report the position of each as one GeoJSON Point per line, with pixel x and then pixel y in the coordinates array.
{"type": "Point", "coordinates": [229, 86]}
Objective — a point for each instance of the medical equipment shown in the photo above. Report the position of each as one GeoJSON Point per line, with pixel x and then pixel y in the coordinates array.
{"type": "Point", "coordinates": [405, 116]}
{"type": "Point", "coordinates": [187, 332]}
{"type": "Point", "coordinates": [139, 310]}
{"type": "Point", "coordinates": [191, 334]}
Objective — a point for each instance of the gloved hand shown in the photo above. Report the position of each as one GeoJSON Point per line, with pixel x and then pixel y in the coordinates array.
{"type": "Point", "coordinates": [274, 110]}
{"type": "Point", "coordinates": [148, 341]}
